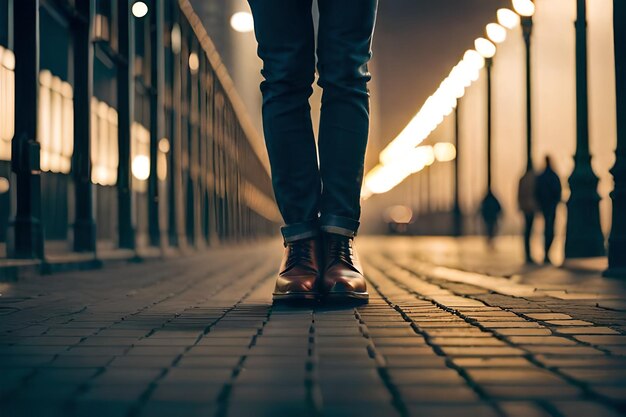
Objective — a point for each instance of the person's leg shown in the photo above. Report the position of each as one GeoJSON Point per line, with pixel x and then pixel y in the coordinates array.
{"type": "Point", "coordinates": [549, 216]}
{"type": "Point", "coordinates": [344, 49]}
{"type": "Point", "coordinates": [284, 31]}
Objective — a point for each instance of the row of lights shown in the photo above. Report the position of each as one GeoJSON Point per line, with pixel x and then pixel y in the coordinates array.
{"type": "Point", "coordinates": [403, 156]}
{"type": "Point", "coordinates": [383, 178]}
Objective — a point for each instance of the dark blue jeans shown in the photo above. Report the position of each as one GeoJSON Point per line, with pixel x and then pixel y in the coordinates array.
{"type": "Point", "coordinates": [312, 197]}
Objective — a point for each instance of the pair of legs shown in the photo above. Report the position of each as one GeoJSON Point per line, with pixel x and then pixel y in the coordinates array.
{"type": "Point", "coordinates": [312, 197]}
{"type": "Point", "coordinates": [549, 216]}
{"type": "Point", "coordinates": [529, 219]}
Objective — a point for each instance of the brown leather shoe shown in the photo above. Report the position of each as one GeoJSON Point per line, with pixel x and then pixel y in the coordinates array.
{"type": "Point", "coordinates": [299, 271]}
{"type": "Point", "coordinates": [343, 274]}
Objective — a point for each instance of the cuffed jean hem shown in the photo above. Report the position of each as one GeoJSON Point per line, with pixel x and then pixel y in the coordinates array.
{"type": "Point", "coordinates": [299, 231]}
{"type": "Point", "coordinates": [339, 225]}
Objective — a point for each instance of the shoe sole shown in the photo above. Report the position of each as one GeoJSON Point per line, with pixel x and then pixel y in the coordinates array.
{"type": "Point", "coordinates": [295, 296]}
{"type": "Point", "coordinates": [348, 296]}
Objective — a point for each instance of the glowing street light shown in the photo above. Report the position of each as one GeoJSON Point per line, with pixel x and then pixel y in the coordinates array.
{"type": "Point", "coordinates": [242, 22]}
{"type": "Point", "coordinates": [139, 9]}
{"type": "Point", "coordinates": [164, 145]}
{"type": "Point", "coordinates": [485, 47]}
{"type": "Point", "coordinates": [194, 62]}
{"type": "Point", "coordinates": [474, 60]}
{"type": "Point", "coordinates": [508, 18]}
{"type": "Point", "coordinates": [496, 32]}
{"type": "Point", "coordinates": [141, 167]}
{"type": "Point", "coordinates": [176, 38]}
{"type": "Point", "coordinates": [444, 152]}
{"type": "Point", "coordinates": [524, 7]}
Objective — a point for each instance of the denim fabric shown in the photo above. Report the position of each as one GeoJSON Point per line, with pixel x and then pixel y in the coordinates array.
{"type": "Point", "coordinates": [305, 190]}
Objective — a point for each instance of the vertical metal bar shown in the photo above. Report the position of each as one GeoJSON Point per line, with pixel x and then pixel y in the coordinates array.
{"type": "Point", "coordinates": [527, 27]}
{"type": "Point", "coordinates": [125, 105]}
{"type": "Point", "coordinates": [617, 239]}
{"type": "Point", "coordinates": [584, 234]}
{"type": "Point", "coordinates": [25, 234]}
{"type": "Point", "coordinates": [489, 64]}
{"type": "Point", "coordinates": [157, 113]}
{"type": "Point", "coordinates": [84, 224]}
{"type": "Point", "coordinates": [456, 210]}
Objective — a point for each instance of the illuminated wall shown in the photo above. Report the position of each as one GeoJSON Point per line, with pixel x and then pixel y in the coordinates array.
{"type": "Point", "coordinates": [140, 156]}
{"type": "Point", "coordinates": [56, 123]}
{"type": "Point", "coordinates": [104, 143]}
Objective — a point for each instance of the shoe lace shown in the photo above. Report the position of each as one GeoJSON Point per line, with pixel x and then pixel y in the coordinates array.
{"type": "Point", "coordinates": [299, 253]}
{"type": "Point", "coordinates": [340, 249]}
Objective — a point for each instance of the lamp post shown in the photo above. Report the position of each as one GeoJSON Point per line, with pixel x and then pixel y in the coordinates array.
{"type": "Point", "coordinates": [584, 235]}
{"type": "Point", "coordinates": [25, 235]}
{"type": "Point", "coordinates": [490, 208]}
{"type": "Point", "coordinates": [527, 29]}
{"type": "Point", "coordinates": [125, 109]}
{"type": "Point", "coordinates": [526, 9]}
{"type": "Point", "coordinates": [157, 127]}
{"type": "Point", "coordinates": [488, 67]}
{"type": "Point", "coordinates": [617, 239]}
{"type": "Point", "coordinates": [456, 210]}
{"type": "Point", "coordinates": [84, 225]}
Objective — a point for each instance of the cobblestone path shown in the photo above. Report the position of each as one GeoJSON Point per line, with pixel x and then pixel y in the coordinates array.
{"type": "Point", "coordinates": [450, 330]}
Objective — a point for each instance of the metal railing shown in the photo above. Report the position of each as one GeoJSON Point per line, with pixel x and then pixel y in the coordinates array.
{"type": "Point", "coordinates": [161, 151]}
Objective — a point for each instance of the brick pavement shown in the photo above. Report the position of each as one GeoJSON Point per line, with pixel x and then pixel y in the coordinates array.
{"type": "Point", "coordinates": [198, 336]}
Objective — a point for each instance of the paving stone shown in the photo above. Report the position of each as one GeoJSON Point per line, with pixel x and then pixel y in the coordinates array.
{"type": "Point", "coordinates": [522, 409]}
{"type": "Point", "coordinates": [242, 393]}
{"type": "Point", "coordinates": [80, 361]}
{"type": "Point", "coordinates": [569, 323]}
{"type": "Point", "coordinates": [119, 392]}
{"type": "Point", "coordinates": [563, 350]}
{"type": "Point", "coordinates": [422, 394]}
{"type": "Point", "coordinates": [603, 340]}
{"type": "Point", "coordinates": [208, 376]}
{"type": "Point", "coordinates": [496, 362]}
{"type": "Point", "coordinates": [405, 350]}
{"type": "Point", "coordinates": [422, 361]}
{"type": "Point", "coordinates": [358, 411]}
{"type": "Point", "coordinates": [584, 408]}
{"type": "Point", "coordinates": [427, 377]}
{"type": "Point", "coordinates": [466, 341]}
{"type": "Point", "coordinates": [594, 361]}
{"type": "Point", "coordinates": [482, 351]}
{"type": "Point", "coordinates": [586, 330]}
{"type": "Point", "coordinates": [540, 340]}
{"type": "Point", "coordinates": [157, 408]}
{"type": "Point", "coordinates": [184, 391]}
{"type": "Point", "coordinates": [514, 376]}
{"type": "Point", "coordinates": [449, 410]}
{"type": "Point", "coordinates": [531, 392]}
{"type": "Point", "coordinates": [511, 324]}
{"type": "Point", "coordinates": [138, 361]}
{"type": "Point", "coordinates": [548, 316]}
{"type": "Point", "coordinates": [117, 376]}
{"type": "Point", "coordinates": [597, 376]}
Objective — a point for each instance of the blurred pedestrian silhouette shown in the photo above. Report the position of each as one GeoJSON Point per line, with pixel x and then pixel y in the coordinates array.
{"type": "Point", "coordinates": [526, 199]}
{"type": "Point", "coordinates": [548, 193]}
{"type": "Point", "coordinates": [490, 211]}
